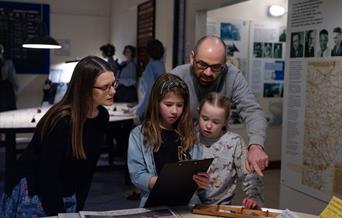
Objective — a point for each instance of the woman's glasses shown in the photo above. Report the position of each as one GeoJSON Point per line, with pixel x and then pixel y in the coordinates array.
{"type": "Point", "coordinates": [107, 88]}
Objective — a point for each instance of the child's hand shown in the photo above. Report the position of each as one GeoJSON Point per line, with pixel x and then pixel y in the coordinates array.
{"type": "Point", "coordinates": [250, 204]}
{"type": "Point", "coordinates": [202, 180]}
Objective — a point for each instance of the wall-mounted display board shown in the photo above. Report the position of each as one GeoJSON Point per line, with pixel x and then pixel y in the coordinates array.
{"type": "Point", "coordinates": [18, 22]}
{"type": "Point", "coordinates": [312, 132]}
{"type": "Point", "coordinates": [145, 31]}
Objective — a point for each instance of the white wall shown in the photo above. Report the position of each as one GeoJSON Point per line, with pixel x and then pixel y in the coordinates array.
{"type": "Point", "coordinates": [194, 6]}
{"type": "Point", "coordinates": [242, 11]}
{"type": "Point", "coordinates": [124, 29]}
{"type": "Point", "coordinates": [124, 24]}
{"type": "Point", "coordinates": [164, 29]}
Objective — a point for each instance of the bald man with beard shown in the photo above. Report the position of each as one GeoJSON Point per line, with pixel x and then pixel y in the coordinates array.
{"type": "Point", "coordinates": [208, 72]}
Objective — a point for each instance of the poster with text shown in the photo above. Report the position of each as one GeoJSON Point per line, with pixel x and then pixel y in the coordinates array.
{"type": "Point", "coordinates": [312, 131]}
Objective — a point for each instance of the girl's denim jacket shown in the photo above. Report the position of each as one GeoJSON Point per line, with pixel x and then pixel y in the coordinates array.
{"type": "Point", "coordinates": [141, 164]}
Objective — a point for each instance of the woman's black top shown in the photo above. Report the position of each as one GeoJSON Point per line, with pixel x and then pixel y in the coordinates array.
{"type": "Point", "coordinates": [50, 168]}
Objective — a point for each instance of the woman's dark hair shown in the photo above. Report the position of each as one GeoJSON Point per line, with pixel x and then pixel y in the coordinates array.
{"type": "Point", "coordinates": [108, 50]}
{"type": "Point", "coordinates": [155, 49]}
{"type": "Point", "coordinates": [131, 48]}
{"type": "Point", "coordinates": [76, 103]}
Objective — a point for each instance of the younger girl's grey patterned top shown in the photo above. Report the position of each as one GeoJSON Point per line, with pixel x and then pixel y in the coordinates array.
{"type": "Point", "coordinates": [227, 170]}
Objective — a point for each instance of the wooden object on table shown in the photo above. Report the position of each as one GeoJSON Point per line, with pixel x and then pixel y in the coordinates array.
{"type": "Point", "coordinates": [231, 212]}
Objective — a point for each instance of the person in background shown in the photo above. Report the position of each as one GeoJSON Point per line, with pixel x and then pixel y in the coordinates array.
{"type": "Point", "coordinates": [229, 152]}
{"type": "Point", "coordinates": [323, 43]}
{"type": "Point", "coordinates": [7, 69]}
{"type": "Point", "coordinates": [127, 89]}
{"type": "Point", "coordinates": [165, 136]}
{"type": "Point", "coordinates": [153, 70]}
{"type": "Point", "coordinates": [54, 173]}
{"type": "Point", "coordinates": [126, 92]}
{"type": "Point", "coordinates": [108, 52]}
{"type": "Point", "coordinates": [337, 50]}
{"type": "Point", "coordinates": [7, 96]}
{"type": "Point", "coordinates": [209, 72]}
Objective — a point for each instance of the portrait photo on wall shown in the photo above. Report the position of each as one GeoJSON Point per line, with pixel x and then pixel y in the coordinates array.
{"type": "Point", "coordinates": [297, 48]}
{"type": "Point", "coordinates": [267, 50]}
{"type": "Point", "coordinates": [310, 42]}
{"type": "Point", "coordinates": [282, 36]}
{"type": "Point", "coordinates": [229, 31]}
{"type": "Point", "coordinates": [272, 90]}
{"type": "Point", "coordinates": [337, 38]}
{"type": "Point", "coordinates": [257, 49]}
{"type": "Point", "coordinates": [323, 49]}
{"type": "Point", "coordinates": [277, 50]}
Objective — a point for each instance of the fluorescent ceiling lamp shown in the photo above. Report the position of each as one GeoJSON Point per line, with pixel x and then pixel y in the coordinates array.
{"type": "Point", "coordinates": [72, 61]}
{"type": "Point", "coordinates": [276, 10]}
{"type": "Point", "coordinates": [42, 41]}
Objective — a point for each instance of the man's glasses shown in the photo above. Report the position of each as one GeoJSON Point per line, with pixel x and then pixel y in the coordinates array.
{"type": "Point", "coordinates": [201, 65]}
{"type": "Point", "coordinates": [107, 88]}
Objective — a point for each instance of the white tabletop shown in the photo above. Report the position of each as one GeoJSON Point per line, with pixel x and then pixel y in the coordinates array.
{"type": "Point", "coordinates": [185, 212]}
{"type": "Point", "coordinates": [28, 118]}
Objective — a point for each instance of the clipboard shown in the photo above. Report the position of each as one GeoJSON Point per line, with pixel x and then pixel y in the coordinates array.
{"type": "Point", "coordinates": [175, 185]}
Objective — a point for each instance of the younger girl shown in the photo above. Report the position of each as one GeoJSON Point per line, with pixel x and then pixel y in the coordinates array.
{"type": "Point", "coordinates": [165, 136]}
{"type": "Point", "coordinates": [228, 150]}
{"type": "Point", "coordinates": [55, 171]}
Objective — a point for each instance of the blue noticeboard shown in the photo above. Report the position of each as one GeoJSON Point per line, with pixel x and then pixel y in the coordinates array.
{"type": "Point", "coordinates": [18, 22]}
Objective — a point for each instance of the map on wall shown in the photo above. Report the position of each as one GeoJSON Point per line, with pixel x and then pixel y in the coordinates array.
{"type": "Point", "coordinates": [322, 151]}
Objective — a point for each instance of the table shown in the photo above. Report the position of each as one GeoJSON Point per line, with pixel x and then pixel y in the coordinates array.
{"type": "Point", "coordinates": [25, 121]}
{"type": "Point", "coordinates": [185, 212]}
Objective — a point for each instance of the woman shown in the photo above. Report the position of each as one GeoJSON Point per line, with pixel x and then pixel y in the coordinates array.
{"type": "Point", "coordinates": [55, 171]}
{"type": "Point", "coordinates": [127, 90]}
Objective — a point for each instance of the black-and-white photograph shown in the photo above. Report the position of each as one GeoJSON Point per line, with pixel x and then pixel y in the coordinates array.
{"type": "Point", "coordinates": [277, 50]}
{"type": "Point", "coordinates": [267, 51]}
{"type": "Point", "coordinates": [297, 48]}
{"type": "Point", "coordinates": [310, 42]}
{"type": "Point", "coordinates": [257, 50]}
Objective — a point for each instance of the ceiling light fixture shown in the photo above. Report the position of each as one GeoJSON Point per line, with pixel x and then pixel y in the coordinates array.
{"type": "Point", "coordinates": [276, 10]}
{"type": "Point", "coordinates": [42, 40]}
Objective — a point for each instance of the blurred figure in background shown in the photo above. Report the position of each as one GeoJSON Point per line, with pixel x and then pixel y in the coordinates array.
{"type": "Point", "coordinates": [108, 52]}
{"type": "Point", "coordinates": [153, 70]}
{"type": "Point", "coordinates": [8, 83]}
{"type": "Point", "coordinates": [127, 76]}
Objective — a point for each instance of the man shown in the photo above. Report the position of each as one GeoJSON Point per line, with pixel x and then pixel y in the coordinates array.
{"type": "Point", "coordinates": [296, 46]}
{"type": "Point", "coordinates": [208, 72]}
{"type": "Point", "coordinates": [337, 50]}
{"type": "Point", "coordinates": [310, 40]}
{"type": "Point", "coordinates": [323, 44]}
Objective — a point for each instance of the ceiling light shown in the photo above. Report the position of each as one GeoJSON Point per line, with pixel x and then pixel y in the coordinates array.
{"type": "Point", "coordinates": [276, 10]}
{"type": "Point", "coordinates": [42, 40]}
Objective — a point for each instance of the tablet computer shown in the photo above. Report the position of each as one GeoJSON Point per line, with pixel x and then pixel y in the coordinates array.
{"type": "Point", "coordinates": [175, 185]}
